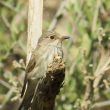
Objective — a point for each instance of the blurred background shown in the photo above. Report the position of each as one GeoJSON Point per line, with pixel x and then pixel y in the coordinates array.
{"type": "Point", "coordinates": [87, 80]}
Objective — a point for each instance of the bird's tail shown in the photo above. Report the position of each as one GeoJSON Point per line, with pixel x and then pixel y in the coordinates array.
{"type": "Point", "coordinates": [28, 95]}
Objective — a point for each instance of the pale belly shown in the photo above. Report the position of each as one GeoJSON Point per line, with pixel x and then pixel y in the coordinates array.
{"type": "Point", "coordinates": [44, 61]}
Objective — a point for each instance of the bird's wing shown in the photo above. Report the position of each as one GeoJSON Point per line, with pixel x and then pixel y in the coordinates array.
{"type": "Point", "coordinates": [29, 68]}
{"type": "Point", "coordinates": [31, 64]}
{"type": "Point", "coordinates": [28, 95]}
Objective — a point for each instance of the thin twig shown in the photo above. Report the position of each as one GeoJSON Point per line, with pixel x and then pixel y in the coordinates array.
{"type": "Point", "coordinates": [58, 15]}
{"type": "Point", "coordinates": [5, 20]}
{"type": "Point", "coordinates": [7, 97]}
{"type": "Point", "coordinates": [98, 3]}
{"type": "Point", "coordinates": [101, 104]}
{"type": "Point", "coordinates": [8, 6]}
{"type": "Point", "coordinates": [5, 84]}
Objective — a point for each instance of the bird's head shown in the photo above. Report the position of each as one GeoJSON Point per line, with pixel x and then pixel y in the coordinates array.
{"type": "Point", "coordinates": [51, 38]}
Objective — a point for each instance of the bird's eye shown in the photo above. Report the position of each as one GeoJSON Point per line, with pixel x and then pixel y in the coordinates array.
{"type": "Point", "coordinates": [52, 37]}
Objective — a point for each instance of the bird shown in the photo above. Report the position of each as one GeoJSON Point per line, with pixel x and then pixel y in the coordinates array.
{"type": "Point", "coordinates": [49, 45]}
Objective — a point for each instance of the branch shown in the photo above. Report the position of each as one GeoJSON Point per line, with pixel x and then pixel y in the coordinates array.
{"type": "Point", "coordinates": [35, 14]}
{"type": "Point", "coordinates": [85, 105]}
{"type": "Point", "coordinates": [49, 86]}
{"type": "Point", "coordinates": [101, 68]}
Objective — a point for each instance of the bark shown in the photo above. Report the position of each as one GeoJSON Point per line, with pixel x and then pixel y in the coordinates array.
{"type": "Point", "coordinates": [49, 87]}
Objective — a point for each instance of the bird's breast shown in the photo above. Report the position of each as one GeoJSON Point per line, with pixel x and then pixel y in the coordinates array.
{"type": "Point", "coordinates": [46, 57]}
{"type": "Point", "coordinates": [51, 52]}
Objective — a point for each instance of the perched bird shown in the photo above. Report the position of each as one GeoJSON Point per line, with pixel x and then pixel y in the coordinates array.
{"type": "Point", "coordinates": [49, 45]}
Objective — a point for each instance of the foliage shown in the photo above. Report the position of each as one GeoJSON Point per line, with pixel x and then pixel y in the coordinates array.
{"type": "Point", "coordinates": [88, 57]}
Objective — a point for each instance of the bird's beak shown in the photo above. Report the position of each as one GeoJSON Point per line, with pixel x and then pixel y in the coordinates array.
{"type": "Point", "coordinates": [65, 37]}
